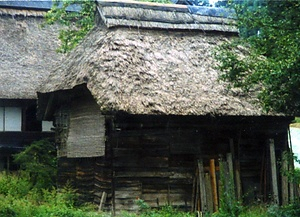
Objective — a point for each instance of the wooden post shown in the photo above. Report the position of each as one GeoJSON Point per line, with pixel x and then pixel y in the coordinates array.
{"type": "Point", "coordinates": [291, 165]}
{"type": "Point", "coordinates": [230, 165]}
{"type": "Point", "coordinates": [212, 170]}
{"type": "Point", "coordinates": [292, 185]}
{"type": "Point", "coordinates": [197, 196]}
{"type": "Point", "coordinates": [102, 201]}
{"type": "Point", "coordinates": [193, 208]}
{"type": "Point", "coordinates": [238, 180]}
{"type": "Point", "coordinates": [202, 186]}
{"type": "Point", "coordinates": [236, 173]}
{"type": "Point", "coordinates": [284, 181]}
{"type": "Point", "coordinates": [274, 171]}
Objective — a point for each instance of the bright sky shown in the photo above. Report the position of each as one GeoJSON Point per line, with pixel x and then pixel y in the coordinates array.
{"type": "Point", "coordinates": [295, 138]}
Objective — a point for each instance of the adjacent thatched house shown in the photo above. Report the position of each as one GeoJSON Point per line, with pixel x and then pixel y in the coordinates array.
{"type": "Point", "coordinates": [139, 113]}
{"type": "Point", "coordinates": [27, 53]}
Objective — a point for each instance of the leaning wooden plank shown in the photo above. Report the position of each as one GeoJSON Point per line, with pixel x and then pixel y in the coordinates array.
{"type": "Point", "coordinates": [102, 201]}
{"type": "Point", "coordinates": [212, 170]}
{"type": "Point", "coordinates": [274, 171]}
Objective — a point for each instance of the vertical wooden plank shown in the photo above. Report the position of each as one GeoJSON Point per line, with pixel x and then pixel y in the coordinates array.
{"type": "Point", "coordinates": [236, 173]}
{"type": "Point", "coordinates": [212, 170]}
{"type": "Point", "coordinates": [238, 180]}
{"type": "Point", "coordinates": [284, 182]}
{"type": "Point", "coordinates": [194, 195]}
{"type": "Point", "coordinates": [208, 188]}
{"type": "Point", "coordinates": [291, 184]}
{"type": "Point", "coordinates": [290, 166]}
{"type": "Point", "coordinates": [230, 165]}
{"type": "Point", "coordinates": [203, 195]}
{"type": "Point", "coordinates": [197, 199]}
{"type": "Point", "coordinates": [274, 171]}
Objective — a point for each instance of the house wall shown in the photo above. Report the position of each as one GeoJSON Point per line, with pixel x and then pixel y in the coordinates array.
{"type": "Point", "coordinates": [158, 159]}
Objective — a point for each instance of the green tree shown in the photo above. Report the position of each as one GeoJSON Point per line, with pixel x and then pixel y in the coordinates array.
{"type": "Point", "coordinates": [78, 22]}
{"type": "Point", "coordinates": [267, 54]}
{"type": "Point", "coordinates": [39, 162]}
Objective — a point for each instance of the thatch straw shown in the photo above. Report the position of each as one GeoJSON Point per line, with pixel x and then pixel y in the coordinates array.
{"type": "Point", "coordinates": [27, 54]}
{"type": "Point", "coordinates": [149, 15]}
{"type": "Point", "coordinates": [151, 72]}
{"type": "Point", "coordinates": [25, 13]}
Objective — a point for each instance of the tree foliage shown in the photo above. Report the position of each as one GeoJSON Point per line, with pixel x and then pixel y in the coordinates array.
{"type": "Point", "coordinates": [39, 162]}
{"type": "Point", "coordinates": [78, 17]}
{"type": "Point", "coordinates": [270, 34]}
{"type": "Point", "coordinates": [78, 22]}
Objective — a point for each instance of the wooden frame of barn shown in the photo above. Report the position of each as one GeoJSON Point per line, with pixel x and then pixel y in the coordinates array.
{"type": "Point", "coordinates": [139, 112]}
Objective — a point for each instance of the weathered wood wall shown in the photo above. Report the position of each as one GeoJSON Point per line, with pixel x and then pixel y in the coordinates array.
{"type": "Point", "coordinates": [156, 159]}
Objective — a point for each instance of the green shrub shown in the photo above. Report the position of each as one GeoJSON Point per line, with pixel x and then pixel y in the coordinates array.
{"type": "Point", "coordinates": [39, 162]}
{"type": "Point", "coordinates": [13, 185]}
{"type": "Point", "coordinates": [229, 205]}
{"type": "Point", "coordinates": [254, 211]}
{"type": "Point", "coordinates": [290, 210]}
{"type": "Point", "coordinates": [164, 211]}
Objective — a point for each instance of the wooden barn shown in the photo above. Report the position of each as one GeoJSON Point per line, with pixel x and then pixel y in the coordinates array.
{"type": "Point", "coordinates": [27, 53]}
{"type": "Point", "coordinates": [139, 112]}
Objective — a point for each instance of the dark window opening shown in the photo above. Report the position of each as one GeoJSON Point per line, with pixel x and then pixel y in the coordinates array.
{"type": "Point", "coordinates": [31, 122]}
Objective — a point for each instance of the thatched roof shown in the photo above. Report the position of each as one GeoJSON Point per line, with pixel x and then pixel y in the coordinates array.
{"type": "Point", "coordinates": [150, 70]}
{"type": "Point", "coordinates": [165, 16]}
{"type": "Point", "coordinates": [27, 54]}
{"type": "Point", "coordinates": [30, 7]}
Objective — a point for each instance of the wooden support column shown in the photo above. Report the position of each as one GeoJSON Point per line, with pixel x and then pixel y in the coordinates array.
{"type": "Point", "coordinates": [274, 171]}
{"type": "Point", "coordinates": [230, 165]}
{"type": "Point", "coordinates": [212, 170]}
